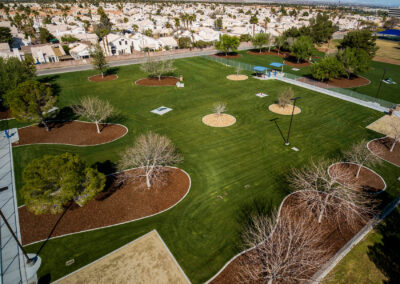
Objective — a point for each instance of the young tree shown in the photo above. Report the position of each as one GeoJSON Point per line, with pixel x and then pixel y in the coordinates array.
{"type": "Point", "coordinates": [52, 182]}
{"type": "Point", "coordinates": [157, 68]}
{"type": "Point", "coordinates": [267, 20]}
{"type": "Point", "coordinates": [285, 97]}
{"type": "Point", "coordinates": [260, 40]}
{"type": "Point", "coordinates": [99, 61]}
{"type": "Point", "coordinates": [219, 109]}
{"type": "Point", "coordinates": [394, 126]}
{"type": "Point", "coordinates": [303, 48]}
{"type": "Point", "coordinates": [254, 22]}
{"type": "Point", "coordinates": [287, 250]}
{"type": "Point", "coordinates": [362, 39]}
{"type": "Point", "coordinates": [280, 41]}
{"type": "Point", "coordinates": [94, 109]}
{"type": "Point", "coordinates": [30, 101]}
{"type": "Point", "coordinates": [332, 195]}
{"type": "Point", "coordinates": [227, 43]}
{"type": "Point", "coordinates": [355, 61]}
{"type": "Point", "coordinates": [361, 155]}
{"type": "Point", "coordinates": [151, 153]}
{"type": "Point", "coordinates": [328, 68]}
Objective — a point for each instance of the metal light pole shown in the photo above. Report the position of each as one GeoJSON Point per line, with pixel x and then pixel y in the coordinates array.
{"type": "Point", "coordinates": [274, 120]}
{"type": "Point", "coordinates": [291, 120]}
{"type": "Point", "coordinates": [380, 83]}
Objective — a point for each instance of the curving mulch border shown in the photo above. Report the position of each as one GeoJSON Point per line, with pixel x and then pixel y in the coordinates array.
{"type": "Point", "coordinates": [216, 126]}
{"type": "Point", "coordinates": [126, 132]}
{"type": "Point", "coordinates": [294, 64]}
{"type": "Point", "coordinates": [376, 139]}
{"type": "Point", "coordinates": [229, 56]}
{"type": "Point", "coordinates": [297, 110]}
{"type": "Point", "coordinates": [189, 181]}
{"type": "Point", "coordinates": [211, 280]}
{"type": "Point", "coordinates": [137, 82]}
{"type": "Point", "coordinates": [106, 78]}
{"type": "Point", "coordinates": [368, 169]}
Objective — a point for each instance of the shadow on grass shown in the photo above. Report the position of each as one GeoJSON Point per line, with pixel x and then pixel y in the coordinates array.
{"type": "Point", "coordinates": [45, 279]}
{"type": "Point", "coordinates": [111, 71]}
{"type": "Point", "coordinates": [386, 254]}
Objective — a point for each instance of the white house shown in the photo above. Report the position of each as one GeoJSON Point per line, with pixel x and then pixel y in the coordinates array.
{"type": "Point", "coordinates": [117, 45]}
{"type": "Point", "coordinates": [45, 53]}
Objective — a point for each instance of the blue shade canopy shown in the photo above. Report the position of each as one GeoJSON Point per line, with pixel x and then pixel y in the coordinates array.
{"type": "Point", "coordinates": [277, 64]}
{"type": "Point", "coordinates": [390, 32]}
{"type": "Point", "coordinates": [260, 68]}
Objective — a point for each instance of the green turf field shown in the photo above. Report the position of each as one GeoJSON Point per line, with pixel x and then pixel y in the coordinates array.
{"type": "Point", "coordinates": [203, 231]}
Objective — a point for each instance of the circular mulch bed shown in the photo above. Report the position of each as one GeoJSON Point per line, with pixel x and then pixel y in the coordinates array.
{"type": "Point", "coordinates": [116, 204]}
{"type": "Point", "coordinates": [274, 53]}
{"type": "Point", "coordinates": [222, 120]}
{"type": "Point", "coordinates": [230, 55]}
{"type": "Point", "coordinates": [337, 83]}
{"type": "Point", "coordinates": [287, 110]}
{"type": "Point", "coordinates": [367, 181]}
{"type": "Point", "coordinates": [381, 147]}
{"type": "Point", "coordinates": [77, 133]}
{"type": "Point", "coordinates": [295, 64]}
{"type": "Point", "coordinates": [5, 114]}
{"type": "Point", "coordinates": [333, 236]}
{"type": "Point", "coordinates": [235, 77]}
{"type": "Point", "coordinates": [165, 81]}
{"type": "Point", "coordinates": [99, 78]}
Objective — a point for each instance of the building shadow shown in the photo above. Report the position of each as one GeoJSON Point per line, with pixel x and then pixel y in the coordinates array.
{"type": "Point", "coordinates": [386, 253]}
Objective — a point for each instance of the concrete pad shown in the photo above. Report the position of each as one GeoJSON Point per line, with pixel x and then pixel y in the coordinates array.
{"type": "Point", "coordinates": [382, 125]}
{"type": "Point", "coordinates": [145, 260]}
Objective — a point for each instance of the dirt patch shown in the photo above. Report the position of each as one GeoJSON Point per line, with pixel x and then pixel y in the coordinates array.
{"type": "Point", "coordinates": [367, 181]}
{"type": "Point", "coordinates": [116, 204]}
{"type": "Point", "coordinates": [152, 81]}
{"type": "Point", "coordinates": [228, 56]}
{"type": "Point", "coordinates": [99, 78]}
{"type": "Point", "coordinates": [5, 114]}
{"type": "Point", "coordinates": [381, 148]}
{"type": "Point", "coordinates": [72, 132]}
{"type": "Point", "coordinates": [335, 238]}
{"type": "Point", "coordinates": [337, 83]}
{"type": "Point", "coordinates": [295, 64]}
{"type": "Point", "coordinates": [145, 260]}
{"type": "Point", "coordinates": [235, 77]}
{"type": "Point", "coordinates": [287, 110]}
{"type": "Point", "coordinates": [272, 52]}
{"type": "Point", "coordinates": [222, 120]}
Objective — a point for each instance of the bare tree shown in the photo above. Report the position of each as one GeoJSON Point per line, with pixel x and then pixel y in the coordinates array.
{"type": "Point", "coordinates": [288, 250]}
{"type": "Point", "coordinates": [94, 109]}
{"type": "Point", "coordinates": [151, 153]}
{"type": "Point", "coordinates": [157, 68]}
{"type": "Point", "coordinates": [361, 155]}
{"type": "Point", "coordinates": [394, 125]}
{"type": "Point", "coordinates": [332, 195]}
{"type": "Point", "coordinates": [285, 97]}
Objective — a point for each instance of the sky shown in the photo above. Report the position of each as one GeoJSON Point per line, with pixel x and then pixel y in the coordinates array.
{"type": "Point", "coordinates": [393, 3]}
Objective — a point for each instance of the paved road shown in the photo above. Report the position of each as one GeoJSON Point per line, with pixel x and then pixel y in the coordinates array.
{"type": "Point", "coordinates": [128, 62]}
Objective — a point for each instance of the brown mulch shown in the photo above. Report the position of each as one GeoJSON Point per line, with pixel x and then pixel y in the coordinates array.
{"type": "Point", "coordinates": [272, 52]}
{"type": "Point", "coordinates": [71, 132]}
{"type": "Point", "coordinates": [99, 78]}
{"type": "Point", "coordinates": [153, 81]}
{"type": "Point", "coordinates": [293, 63]}
{"type": "Point", "coordinates": [381, 148]}
{"type": "Point", "coordinates": [335, 238]}
{"type": "Point", "coordinates": [337, 83]}
{"type": "Point", "coordinates": [230, 55]}
{"type": "Point", "coordinates": [5, 114]}
{"type": "Point", "coordinates": [367, 180]}
{"type": "Point", "coordinates": [114, 205]}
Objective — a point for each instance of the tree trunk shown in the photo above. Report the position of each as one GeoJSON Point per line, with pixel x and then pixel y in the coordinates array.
{"type": "Point", "coordinates": [159, 77]}
{"type": "Point", "coordinates": [148, 184]}
{"type": "Point", "coordinates": [394, 143]}
{"type": "Point", "coordinates": [321, 214]}
{"type": "Point", "coordinates": [254, 29]}
{"type": "Point", "coordinates": [359, 170]}
{"type": "Point", "coordinates": [45, 124]}
{"type": "Point", "coordinates": [102, 74]}
{"type": "Point", "coordinates": [270, 281]}
{"type": "Point", "coordinates": [97, 126]}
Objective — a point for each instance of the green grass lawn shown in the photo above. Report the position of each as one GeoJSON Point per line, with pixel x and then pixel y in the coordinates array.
{"type": "Point", "coordinates": [387, 92]}
{"type": "Point", "coordinates": [203, 231]}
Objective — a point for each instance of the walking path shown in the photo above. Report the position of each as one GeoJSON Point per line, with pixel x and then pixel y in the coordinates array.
{"type": "Point", "coordinates": [12, 260]}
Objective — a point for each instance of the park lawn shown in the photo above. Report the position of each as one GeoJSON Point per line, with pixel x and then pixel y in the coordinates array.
{"type": "Point", "coordinates": [387, 92]}
{"type": "Point", "coordinates": [374, 259]}
{"type": "Point", "coordinates": [388, 49]}
{"type": "Point", "coordinates": [203, 231]}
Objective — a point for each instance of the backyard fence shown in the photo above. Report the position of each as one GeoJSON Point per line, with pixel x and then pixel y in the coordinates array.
{"type": "Point", "coordinates": [316, 85]}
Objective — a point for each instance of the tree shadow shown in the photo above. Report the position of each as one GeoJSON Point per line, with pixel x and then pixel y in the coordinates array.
{"type": "Point", "coordinates": [45, 279]}
{"type": "Point", "coordinates": [107, 167]}
{"type": "Point", "coordinates": [111, 71]}
{"type": "Point", "coordinates": [51, 81]}
{"type": "Point", "coordinates": [386, 253]}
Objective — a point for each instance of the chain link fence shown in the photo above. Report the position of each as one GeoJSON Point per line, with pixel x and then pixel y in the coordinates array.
{"type": "Point", "coordinates": [308, 81]}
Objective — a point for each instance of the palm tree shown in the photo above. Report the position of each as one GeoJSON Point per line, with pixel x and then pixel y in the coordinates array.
{"type": "Point", "coordinates": [266, 21]}
{"type": "Point", "coordinates": [254, 21]}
